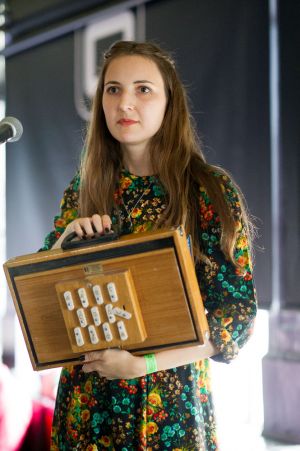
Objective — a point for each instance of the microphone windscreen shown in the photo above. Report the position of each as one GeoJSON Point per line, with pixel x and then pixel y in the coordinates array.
{"type": "Point", "coordinates": [16, 126]}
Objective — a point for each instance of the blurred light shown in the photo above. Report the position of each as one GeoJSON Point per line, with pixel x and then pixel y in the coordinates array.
{"type": "Point", "coordinates": [238, 394]}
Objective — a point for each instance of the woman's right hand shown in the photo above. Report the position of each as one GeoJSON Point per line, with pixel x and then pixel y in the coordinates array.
{"type": "Point", "coordinates": [86, 227]}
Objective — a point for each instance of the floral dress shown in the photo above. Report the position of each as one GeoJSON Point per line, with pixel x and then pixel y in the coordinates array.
{"type": "Point", "coordinates": [172, 409]}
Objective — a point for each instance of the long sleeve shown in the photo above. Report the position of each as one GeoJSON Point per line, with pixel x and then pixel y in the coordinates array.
{"type": "Point", "coordinates": [68, 212]}
{"type": "Point", "coordinates": [227, 291]}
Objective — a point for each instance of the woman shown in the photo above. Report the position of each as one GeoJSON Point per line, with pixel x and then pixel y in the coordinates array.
{"type": "Point", "coordinates": [143, 169]}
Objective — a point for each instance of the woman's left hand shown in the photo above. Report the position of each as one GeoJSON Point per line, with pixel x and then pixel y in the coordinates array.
{"type": "Point", "coordinates": [115, 364]}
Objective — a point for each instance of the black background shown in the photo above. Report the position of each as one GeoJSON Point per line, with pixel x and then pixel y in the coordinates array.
{"type": "Point", "coordinates": [221, 48]}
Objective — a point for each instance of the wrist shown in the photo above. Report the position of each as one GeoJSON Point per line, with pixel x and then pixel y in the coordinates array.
{"type": "Point", "coordinates": [140, 365]}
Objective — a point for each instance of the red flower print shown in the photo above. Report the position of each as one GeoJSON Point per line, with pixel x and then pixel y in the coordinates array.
{"type": "Point", "coordinates": [84, 398]}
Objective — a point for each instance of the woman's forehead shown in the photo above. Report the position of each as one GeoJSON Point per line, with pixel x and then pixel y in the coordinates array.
{"type": "Point", "coordinates": [132, 68]}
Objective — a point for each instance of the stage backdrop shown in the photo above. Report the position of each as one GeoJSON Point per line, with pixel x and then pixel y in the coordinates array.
{"type": "Point", "coordinates": [221, 49]}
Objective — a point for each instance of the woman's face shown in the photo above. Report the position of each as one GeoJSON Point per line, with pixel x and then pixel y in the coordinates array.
{"type": "Point", "coordinates": [134, 100]}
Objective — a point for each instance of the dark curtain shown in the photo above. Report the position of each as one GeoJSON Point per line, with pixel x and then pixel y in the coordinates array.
{"type": "Point", "coordinates": [40, 93]}
{"type": "Point", "coordinates": [290, 146]}
{"type": "Point", "coordinates": [222, 52]}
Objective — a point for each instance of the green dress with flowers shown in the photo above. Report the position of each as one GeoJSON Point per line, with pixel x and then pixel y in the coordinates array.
{"type": "Point", "coordinates": [172, 409]}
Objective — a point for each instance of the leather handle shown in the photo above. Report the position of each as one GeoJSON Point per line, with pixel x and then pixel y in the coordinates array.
{"type": "Point", "coordinates": [71, 243]}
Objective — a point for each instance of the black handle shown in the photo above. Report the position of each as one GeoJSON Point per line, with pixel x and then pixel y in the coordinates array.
{"type": "Point", "coordinates": [70, 243]}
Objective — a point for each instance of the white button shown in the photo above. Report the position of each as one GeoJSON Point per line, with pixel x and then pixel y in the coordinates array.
{"type": "Point", "coordinates": [109, 311]}
{"type": "Point", "coordinates": [83, 297]}
{"type": "Point", "coordinates": [96, 316]}
{"type": "Point", "coordinates": [78, 336]}
{"type": "Point", "coordinates": [107, 332]}
{"type": "Point", "coordinates": [98, 294]}
{"type": "Point", "coordinates": [123, 313]}
{"type": "Point", "coordinates": [81, 317]}
{"type": "Point", "coordinates": [69, 300]}
{"type": "Point", "coordinates": [93, 335]}
{"type": "Point", "coordinates": [111, 287]}
{"type": "Point", "coordinates": [122, 330]}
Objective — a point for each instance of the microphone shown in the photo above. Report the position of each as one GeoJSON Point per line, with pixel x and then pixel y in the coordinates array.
{"type": "Point", "coordinates": [11, 129]}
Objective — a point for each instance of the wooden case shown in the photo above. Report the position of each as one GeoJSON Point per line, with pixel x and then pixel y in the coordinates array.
{"type": "Point", "coordinates": [156, 287]}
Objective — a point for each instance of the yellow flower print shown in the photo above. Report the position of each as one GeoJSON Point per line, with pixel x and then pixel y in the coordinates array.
{"type": "Point", "coordinates": [241, 242]}
{"type": "Point", "coordinates": [199, 365]}
{"type": "Point", "coordinates": [154, 399]}
{"type": "Point", "coordinates": [70, 214]}
{"type": "Point", "coordinates": [238, 226]}
{"type": "Point", "coordinates": [136, 213]}
{"type": "Point", "coordinates": [218, 313]}
{"type": "Point", "coordinates": [142, 228]}
{"type": "Point", "coordinates": [125, 182]}
{"type": "Point", "coordinates": [225, 336]}
{"type": "Point", "coordinates": [60, 223]}
{"type": "Point", "coordinates": [85, 415]}
{"type": "Point", "coordinates": [243, 261]}
{"type": "Point", "coordinates": [152, 427]}
{"type": "Point", "coordinates": [88, 386]}
{"type": "Point", "coordinates": [83, 398]}
{"type": "Point", "coordinates": [92, 448]}
{"type": "Point", "coordinates": [143, 431]}
{"type": "Point", "coordinates": [105, 441]}
{"type": "Point", "coordinates": [226, 321]}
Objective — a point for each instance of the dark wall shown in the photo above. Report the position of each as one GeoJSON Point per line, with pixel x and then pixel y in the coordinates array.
{"type": "Point", "coordinates": [40, 93]}
{"type": "Point", "coordinates": [290, 139]}
{"type": "Point", "coordinates": [18, 9]}
{"type": "Point", "coordinates": [224, 64]}
{"type": "Point", "coordinates": [222, 53]}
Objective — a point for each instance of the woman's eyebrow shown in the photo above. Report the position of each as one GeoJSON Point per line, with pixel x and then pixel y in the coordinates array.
{"type": "Point", "coordinates": [143, 81]}
{"type": "Point", "coordinates": [113, 82]}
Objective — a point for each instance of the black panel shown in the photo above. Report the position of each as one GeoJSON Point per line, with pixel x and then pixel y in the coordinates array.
{"type": "Point", "coordinates": [105, 254]}
{"type": "Point", "coordinates": [290, 159]}
{"type": "Point", "coordinates": [222, 52]}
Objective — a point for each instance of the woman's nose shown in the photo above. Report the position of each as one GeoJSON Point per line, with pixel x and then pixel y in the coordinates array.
{"type": "Point", "coordinates": [127, 102]}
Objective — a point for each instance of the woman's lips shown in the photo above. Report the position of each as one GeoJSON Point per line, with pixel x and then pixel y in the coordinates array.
{"type": "Point", "coordinates": [127, 122]}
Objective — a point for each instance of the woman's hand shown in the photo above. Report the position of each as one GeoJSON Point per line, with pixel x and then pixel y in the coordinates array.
{"type": "Point", "coordinates": [86, 227]}
{"type": "Point", "coordinates": [115, 364]}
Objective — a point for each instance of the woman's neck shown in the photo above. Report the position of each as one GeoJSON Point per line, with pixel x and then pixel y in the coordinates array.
{"type": "Point", "coordinates": [137, 163]}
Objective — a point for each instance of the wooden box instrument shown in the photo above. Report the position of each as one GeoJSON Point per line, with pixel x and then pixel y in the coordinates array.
{"type": "Point", "coordinates": [138, 292]}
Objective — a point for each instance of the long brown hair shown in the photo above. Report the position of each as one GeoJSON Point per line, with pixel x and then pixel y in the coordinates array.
{"type": "Point", "coordinates": [175, 152]}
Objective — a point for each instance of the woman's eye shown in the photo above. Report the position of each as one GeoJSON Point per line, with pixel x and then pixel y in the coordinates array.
{"type": "Point", "coordinates": [144, 89]}
{"type": "Point", "coordinates": [112, 90]}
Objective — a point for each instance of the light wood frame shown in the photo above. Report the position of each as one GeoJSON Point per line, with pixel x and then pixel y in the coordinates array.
{"type": "Point", "coordinates": [164, 280]}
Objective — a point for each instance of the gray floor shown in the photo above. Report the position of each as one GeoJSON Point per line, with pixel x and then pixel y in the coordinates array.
{"type": "Point", "coordinates": [246, 439]}
{"type": "Point", "coordinates": [270, 446]}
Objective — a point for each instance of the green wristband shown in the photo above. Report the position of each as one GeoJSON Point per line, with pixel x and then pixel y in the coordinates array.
{"type": "Point", "coordinates": [151, 364]}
